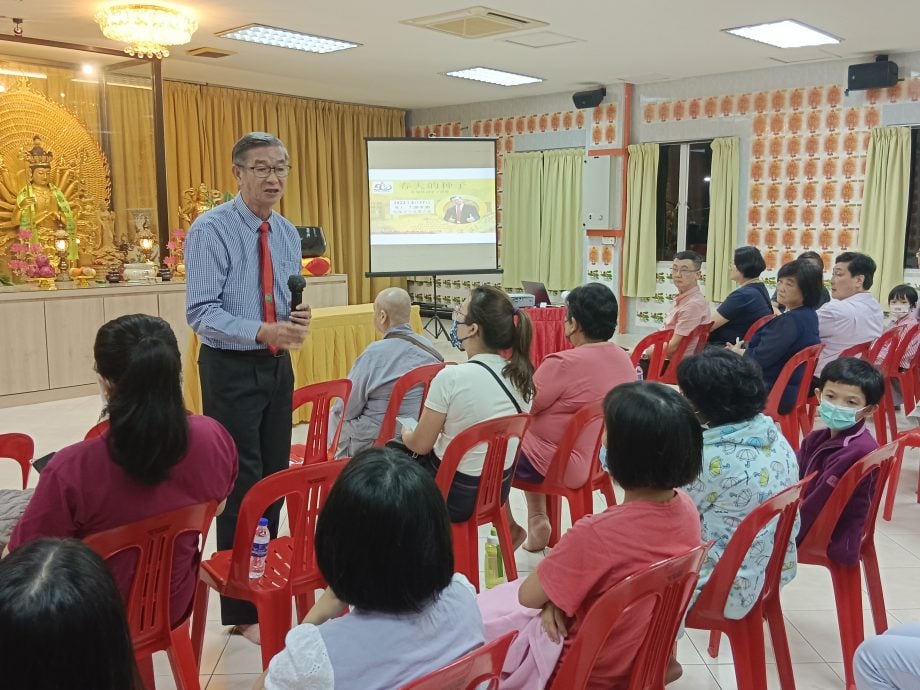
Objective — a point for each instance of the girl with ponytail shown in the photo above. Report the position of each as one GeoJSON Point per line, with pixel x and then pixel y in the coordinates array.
{"type": "Point", "coordinates": [497, 381]}
{"type": "Point", "coordinates": [154, 457]}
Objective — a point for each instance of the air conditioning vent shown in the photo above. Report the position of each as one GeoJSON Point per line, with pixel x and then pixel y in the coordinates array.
{"type": "Point", "coordinates": [213, 53]}
{"type": "Point", "coordinates": [475, 22]}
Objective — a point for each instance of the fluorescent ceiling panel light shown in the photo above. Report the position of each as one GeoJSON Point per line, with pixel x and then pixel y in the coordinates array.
{"type": "Point", "coordinates": [21, 73]}
{"type": "Point", "coordinates": [284, 38]}
{"type": "Point", "coordinates": [787, 33]}
{"type": "Point", "coordinates": [493, 76]}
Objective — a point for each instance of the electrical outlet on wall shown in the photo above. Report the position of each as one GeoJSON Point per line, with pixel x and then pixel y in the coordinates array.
{"type": "Point", "coordinates": [608, 240]}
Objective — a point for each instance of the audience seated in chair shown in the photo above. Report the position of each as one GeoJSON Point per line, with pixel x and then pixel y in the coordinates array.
{"type": "Point", "coordinates": [62, 621]}
{"type": "Point", "coordinates": [902, 314]}
{"type": "Point", "coordinates": [383, 544]}
{"type": "Point", "coordinates": [853, 316]}
{"type": "Point", "coordinates": [744, 305]}
{"type": "Point", "coordinates": [567, 381]}
{"type": "Point", "coordinates": [376, 371]}
{"type": "Point", "coordinates": [849, 390]}
{"type": "Point", "coordinates": [654, 522]}
{"type": "Point", "coordinates": [815, 260]}
{"type": "Point", "coordinates": [890, 661]}
{"type": "Point", "coordinates": [154, 458]}
{"type": "Point", "coordinates": [797, 289]}
{"type": "Point", "coordinates": [746, 460]}
{"type": "Point", "coordinates": [497, 381]}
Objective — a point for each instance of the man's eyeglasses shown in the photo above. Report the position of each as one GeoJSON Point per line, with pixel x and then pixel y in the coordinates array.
{"type": "Point", "coordinates": [683, 269]}
{"type": "Point", "coordinates": [264, 171]}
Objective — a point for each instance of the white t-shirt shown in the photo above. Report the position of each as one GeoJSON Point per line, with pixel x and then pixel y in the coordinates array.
{"type": "Point", "coordinates": [468, 394]}
{"type": "Point", "coordinates": [378, 651]}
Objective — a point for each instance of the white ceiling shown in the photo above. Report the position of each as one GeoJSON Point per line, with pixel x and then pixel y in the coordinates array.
{"type": "Point", "coordinates": [399, 65]}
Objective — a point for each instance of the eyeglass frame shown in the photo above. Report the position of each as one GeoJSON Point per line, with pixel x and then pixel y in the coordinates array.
{"type": "Point", "coordinates": [270, 169]}
{"type": "Point", "coordinates": [683, 269]}
{"type": "Point", "coordinates": [457, 313]}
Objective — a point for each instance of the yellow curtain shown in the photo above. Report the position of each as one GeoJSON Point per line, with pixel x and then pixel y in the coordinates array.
{"type": "Point", "coordinates": [132, 159]}
{"type": "Point", "coordinates": [522, 190]}
{"type": "Point", "coordinates": [884, 209]}
{"type": "Point", "coordinates": [723, 217]}
{"type": "Point", "coordinates": [641, 234]}
{"type": "Point", "coordinates": [561, 235]}
{"type": "Point", "coordinates": [325, 140]}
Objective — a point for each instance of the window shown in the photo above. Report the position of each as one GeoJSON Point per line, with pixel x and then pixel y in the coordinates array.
{"type": "Point", "coordinates": [683, 198]}
{"type": "Point", "coordinates": [912, 236]}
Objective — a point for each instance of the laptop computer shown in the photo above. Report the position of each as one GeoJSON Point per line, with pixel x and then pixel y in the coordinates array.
{"type": "Point", "coordinates": [538, 290]}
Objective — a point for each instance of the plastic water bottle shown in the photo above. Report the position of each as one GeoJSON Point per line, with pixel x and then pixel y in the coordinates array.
{"type": "Point", "coordinates": [639, 375]}
{"type": "Point", "coordinates": [495, 572]}
{"type": "Point", "coordinates": [259, 550]}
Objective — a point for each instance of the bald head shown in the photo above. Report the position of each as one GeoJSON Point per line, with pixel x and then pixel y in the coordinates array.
{"type": "Point", "coordinates": [396, 303]}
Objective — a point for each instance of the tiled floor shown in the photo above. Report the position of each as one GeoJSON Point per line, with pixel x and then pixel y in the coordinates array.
{"type": "Point", "coordinates": [808, 602]}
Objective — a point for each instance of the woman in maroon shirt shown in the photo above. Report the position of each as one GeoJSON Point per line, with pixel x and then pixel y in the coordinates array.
{"type": "Point", "coordinates": [154, 457]}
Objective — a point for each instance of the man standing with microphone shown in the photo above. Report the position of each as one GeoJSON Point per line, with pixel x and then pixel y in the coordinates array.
{"type": "Point", "coordinates": [238, 258]}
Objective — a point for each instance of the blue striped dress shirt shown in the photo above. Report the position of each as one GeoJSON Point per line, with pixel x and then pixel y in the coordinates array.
{"type": "Point", "coordinates": [223, 294]}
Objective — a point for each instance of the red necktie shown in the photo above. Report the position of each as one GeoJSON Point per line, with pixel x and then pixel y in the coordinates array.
{"type": "Point", "coordinates": [268, 278]}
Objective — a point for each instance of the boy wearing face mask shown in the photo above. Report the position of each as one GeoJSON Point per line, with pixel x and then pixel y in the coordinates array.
{"type": "Point", "coordinates": [849, 390]}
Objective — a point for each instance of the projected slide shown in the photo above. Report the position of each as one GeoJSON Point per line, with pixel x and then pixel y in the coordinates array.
{"type": "Point", "coordinates": [432, 205]}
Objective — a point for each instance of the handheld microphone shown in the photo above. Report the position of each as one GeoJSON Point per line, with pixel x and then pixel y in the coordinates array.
{"type": "Point", "coordinates": [296, 284]}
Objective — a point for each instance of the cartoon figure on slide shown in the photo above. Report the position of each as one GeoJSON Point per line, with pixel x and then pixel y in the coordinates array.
{"type": "Point", "coordinates": [460, 212]}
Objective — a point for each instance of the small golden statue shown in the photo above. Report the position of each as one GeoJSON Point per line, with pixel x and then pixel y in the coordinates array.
{"type": "Point", "coordinates": [198, 200]}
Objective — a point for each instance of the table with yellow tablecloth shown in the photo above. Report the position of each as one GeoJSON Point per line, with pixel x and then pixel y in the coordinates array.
{"type": "Point", "coordinates": [337, 336]}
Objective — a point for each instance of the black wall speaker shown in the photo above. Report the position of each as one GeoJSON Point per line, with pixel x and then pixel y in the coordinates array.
{"type": "Point", "coordinates": [872, 75]}
{"type": "Point", "coordinates": [589, 99]}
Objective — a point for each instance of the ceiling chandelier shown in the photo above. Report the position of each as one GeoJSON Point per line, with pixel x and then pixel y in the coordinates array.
{"type": "Point", "coordinates": [147, 29]}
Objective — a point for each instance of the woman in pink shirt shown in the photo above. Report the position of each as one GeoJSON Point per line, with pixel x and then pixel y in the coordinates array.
{"type": "Point", "coordinates": [565, 382]}
{"type": "Point", "coordinates": [154, 457]}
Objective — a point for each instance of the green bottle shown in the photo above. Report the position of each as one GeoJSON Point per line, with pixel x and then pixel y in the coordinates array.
{"type": "Point", "coordinates": [495, 572]}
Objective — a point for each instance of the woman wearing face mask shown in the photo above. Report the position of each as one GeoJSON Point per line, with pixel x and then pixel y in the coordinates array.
{"type": "Point", "coordinates": [902, 314]}
{"type": "Point", "coordinates": [849, 390]}
{"type": "Point", "coordinates": [153, 458]}
{"type": "Point", "coordinates": [497, 381]}
{"type": "Point", "coordinates": [567, 381]}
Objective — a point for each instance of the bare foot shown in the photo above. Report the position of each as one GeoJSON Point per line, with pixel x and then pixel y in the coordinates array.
{"type": "Point", "coordinates": [539, 531]}
{"type": "Point", "coordinates": [250, 632]}
{"type": "Point", "coordinates": [674, 671]}
{"type": "Point", "coordinates": [518, 535]}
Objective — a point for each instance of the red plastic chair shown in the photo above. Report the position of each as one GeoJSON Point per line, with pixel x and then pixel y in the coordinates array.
{"type": "Point", "coordinates": [290, 567]}
{"type": "Point", "coordinates": [793, 423]}
{"type": "Point", "coordinates": [909, 378]}
{"type": "Point", "coordinates": [746, 634]}
{"type": "Point", "coordinates": [908, 439]}
{"type": "Point", "coordinates": [21, 448]}
{"type": "Point", "coordinates": [693, 344]}
{"type": "Point", "coordinates": [148, 602]}
{"type": "Point", "coordinates": [466, 673]}
{"type": "Point", "coordinates": [420, 376]}
{"type": "Point", "coordinates": [756, 326]}
{"type": "Point", "coordinates": [890, 365]}
{"type": "Point", "coordinates": [859, 350]}
{"type": "Point", "coordinates": [97, 430]}
{"type": "Point", "coordinates": [658, 343]}
{"type": "Point", "coordinates": [846, 578]}
{"type": "Point", "coordinates": [489, 508]}
{"type": "Point", "coordinates": [588, 420]}
{"type": "Point", "coordinates": [669, 584]}
{"type": "Point", "coordinates": [318, 448]}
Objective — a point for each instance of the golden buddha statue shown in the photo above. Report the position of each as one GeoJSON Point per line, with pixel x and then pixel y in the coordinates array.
{"type": "Point", "coordinates": [41, 207]}
{"type": "Point", "coordinates": [198, 200]}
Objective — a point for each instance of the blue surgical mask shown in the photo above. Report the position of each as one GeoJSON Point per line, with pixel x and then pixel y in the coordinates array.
{"type": "Point", "coordinates": [455, 339]}
{"type": "Point", "coordinates": [837, 418]}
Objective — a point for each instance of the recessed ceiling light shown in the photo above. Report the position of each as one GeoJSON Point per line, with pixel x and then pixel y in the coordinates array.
{"type": "Point", "coordinates": [284, 38]}
{"type": "Point", "coordinates": [787, 33]}
{"type": "Point", "coordinates": [493, 76]}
